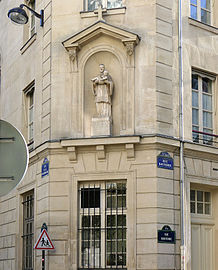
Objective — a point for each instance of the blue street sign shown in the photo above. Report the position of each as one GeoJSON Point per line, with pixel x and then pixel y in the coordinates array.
{"type": "Point", "coordinates": [45, 168]}
{"type": "Point", "coordinates": [165, 161]}
{"type": "Point", "coordinates": [166, 235]}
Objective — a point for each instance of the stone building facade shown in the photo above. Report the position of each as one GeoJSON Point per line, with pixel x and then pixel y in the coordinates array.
{"type": "Point", "coordinates": [106, 190]}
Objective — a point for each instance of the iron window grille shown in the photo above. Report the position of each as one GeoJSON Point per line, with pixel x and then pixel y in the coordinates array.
{"type": "Point", "coordinates": [102, 226]}
{"type": "Point", "coordinates": [28, 231]}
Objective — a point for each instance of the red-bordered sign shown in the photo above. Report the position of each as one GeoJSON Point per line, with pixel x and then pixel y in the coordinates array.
{"type": "Point", "coordinates": [44, 242]}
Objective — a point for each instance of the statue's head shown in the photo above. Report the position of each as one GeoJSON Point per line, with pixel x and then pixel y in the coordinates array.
{"type": "Point", "coordinates": [102, 68]}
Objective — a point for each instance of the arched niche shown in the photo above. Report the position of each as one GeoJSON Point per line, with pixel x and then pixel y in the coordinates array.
{"type": "Point", "coordinates": [102, 43]}
{"type": "Point", "coordinates": [91, 70]}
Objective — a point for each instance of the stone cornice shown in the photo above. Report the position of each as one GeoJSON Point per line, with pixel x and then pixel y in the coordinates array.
{"type": "Point", "coordinates": [80, 39]}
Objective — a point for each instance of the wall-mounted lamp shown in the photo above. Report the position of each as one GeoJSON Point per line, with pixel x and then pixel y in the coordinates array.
{"type": "Point", "coordinates": [18, 15]}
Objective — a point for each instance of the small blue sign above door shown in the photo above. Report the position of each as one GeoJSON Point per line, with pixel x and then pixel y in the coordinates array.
{"type": "Point", "coordinates": [165, 161]}
{"type": "Point", "coordinates": [45, 168]}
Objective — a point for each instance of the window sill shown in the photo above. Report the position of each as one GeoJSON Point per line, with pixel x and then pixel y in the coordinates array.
{"type": "Point", "coordinates": [204, 26]}
{"type": "Point", "coordinates": [28, 43]}
{"type": "Point", "coordinates": [112, 11]}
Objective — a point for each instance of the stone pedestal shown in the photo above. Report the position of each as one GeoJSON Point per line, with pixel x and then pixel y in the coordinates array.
{"type": "Point", "coordinates": [101, 126]}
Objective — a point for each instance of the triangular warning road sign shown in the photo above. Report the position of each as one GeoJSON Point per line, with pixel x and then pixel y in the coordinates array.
{"type": "Point", "coordinates": [44, 242]}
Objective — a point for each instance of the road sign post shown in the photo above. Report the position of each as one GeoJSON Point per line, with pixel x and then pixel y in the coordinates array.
{"type": "Point", "coordinates": [14, 156]}
{"type": "Point", "coordinates": [44, 243]}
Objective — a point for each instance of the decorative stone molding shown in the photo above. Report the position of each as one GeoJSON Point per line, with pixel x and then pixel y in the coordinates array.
{"type": "Point", "coordinates": [72, 153]}
{"type": "Point", "coordinates": [100, 151]}
{"type": "Point", "coordinates": [74, 43]}
{"type": "Point", "coordinates": [130, 150]}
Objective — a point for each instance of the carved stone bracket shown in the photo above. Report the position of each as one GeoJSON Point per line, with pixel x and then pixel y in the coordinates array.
{"type": "Point", "coordinates": [72, 153]}
{"type": "Point", "coordinates": [130, 150]}
{"type": "Point", "coordinates": [100, 151]}
{"type": "Point", "coordinates": [130, 45]}
{"type": "Point", "coordinates": [73, 51]}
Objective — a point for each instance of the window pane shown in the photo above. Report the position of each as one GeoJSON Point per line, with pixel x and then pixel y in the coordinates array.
{"type": "Point", "coordinates": [207, 139]}
{"type": "Point", "coordinates": [90, 197]}
{"type": "Point", "coordinates": [195, 135]}
{"type": "Point", "coordinates": [111, 259]}
{"type": "Point", "coordinates": [192, 207]}
{"type": "Point", "coordinates": [121, 220]}
{"type": "Point", "coordinates": [207, 119]}
{"type": "Point", "coordinates": [205, 4]}
{"type": "Point", "coordinates": [195, 119]}
{"type": "Point", "coordinates": [194, 81]}
{"type": "Point", "coordinates": [111, 189]}
{"type": "Point", "coordinates": [111, 233]}
{"type": "Point", "coordinates": [114, 3]}
{"type": "Point", "coordinates": [121, 246]}
{"type": "Point", "coordinates": [194, 2]}
{"type": "Point", "coordinates": [194, 12]}
{"type": "Point", "coordinates": [207, 102]}
{"type": "Point", "coordinates": [207, 196]}
{"type": "Point", "coordinates": [121, 188]}
{"type": "Point", "coordinates": [111, 246]}
{"type": "Point", "coordinates": [192, 195]}
{"type": "Point", "coordinates": [86, 221]}
{"type": "Point", "coordinates": [111, 221]}
{"type": "Point", "coordinates": [207, 85]}
{"type": "Point", "coordinates": [121, 259]}
{"type": "Point", "coordinates": [96, 235]}
{"type": "Point", "coordinates": [200, 196]}
{"type": "Point", "coordinates": [93, 4]}
{"type": "Point", "coordinates": [200, 208]}
{"type": "Point", "coordinates": [121, 233]}
{"type": "Point", "coordinates": [111, 202]}
{"type": "Point", "coordinates": [31, 99]}
{"type": "Point", "coordinates": [205, 16]}
{"type": "Point", "coordinates": [121, 202]}
{"type": "Point", "coordinates": [96, 221]}
{"type": "Point", "coordinates": [207, 209]}
{"type": "Point", "coordinates": [194, 99]}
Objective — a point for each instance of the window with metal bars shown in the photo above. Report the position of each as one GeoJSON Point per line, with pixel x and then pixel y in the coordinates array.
{"type": "Point", "coordinates": [102, 225]}
{"type": "Point", "coordinates": [28, 230]}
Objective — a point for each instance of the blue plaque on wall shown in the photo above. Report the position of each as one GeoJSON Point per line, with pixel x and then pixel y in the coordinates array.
{"type": "Point", "coordinates": [45, 168]}
{"type": "Point", "coordinates": [166, 235]}
{"type": "Point", "coordinates": [165, 161]}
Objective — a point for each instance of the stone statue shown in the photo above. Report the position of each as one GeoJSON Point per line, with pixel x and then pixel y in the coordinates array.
{"type": "Point", "coordinates": [102, 87]}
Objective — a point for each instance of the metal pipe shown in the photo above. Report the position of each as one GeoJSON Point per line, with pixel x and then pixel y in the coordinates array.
{"type": "Point", "coordinates": [181, 135]}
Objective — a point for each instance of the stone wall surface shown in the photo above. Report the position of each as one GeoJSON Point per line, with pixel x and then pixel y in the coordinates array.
{"type": "Point", "coordinates": [139, 46]}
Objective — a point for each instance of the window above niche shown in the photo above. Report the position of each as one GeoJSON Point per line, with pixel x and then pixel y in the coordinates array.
{"type": "Point", "coordinates": [91, 5]}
